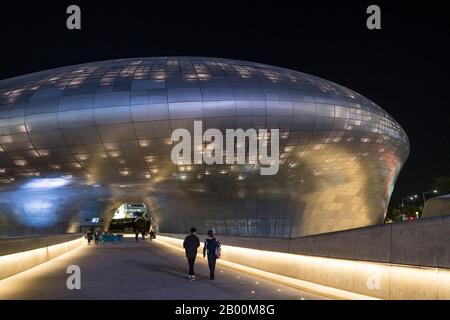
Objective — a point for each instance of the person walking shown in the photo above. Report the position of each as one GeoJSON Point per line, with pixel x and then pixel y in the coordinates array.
{"type": "Point", "coordinates": [152, 234]}
{"type": "Point", "coordinates": [96, 236]}
{"type": "Point", "coordinates": [139, 227]}
{"type": "Point", "coordinates": [89, 237]}
{"type": "Point", "coordinates": [190, 245]}
{"type": "Point", "coordinates": [212, 249]}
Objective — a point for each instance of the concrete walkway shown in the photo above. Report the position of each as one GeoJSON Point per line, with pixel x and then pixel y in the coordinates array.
{"type": "Point", "coordinates": [143, 270]}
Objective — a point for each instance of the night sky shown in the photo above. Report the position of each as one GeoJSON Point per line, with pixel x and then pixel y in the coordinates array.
{"type": "Point", "coordinates": [404, 67]}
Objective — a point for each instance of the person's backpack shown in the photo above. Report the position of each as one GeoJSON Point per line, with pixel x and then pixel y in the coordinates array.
{"type": "Point", "coordinates": [218, 250]}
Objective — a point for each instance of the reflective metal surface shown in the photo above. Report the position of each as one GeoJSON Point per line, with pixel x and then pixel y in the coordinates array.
{"type": "Point", "coordinates": [106, 126]}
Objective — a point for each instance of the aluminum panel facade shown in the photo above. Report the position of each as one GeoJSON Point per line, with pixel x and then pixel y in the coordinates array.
{"type": "Point", "coordinates": [106, 126]}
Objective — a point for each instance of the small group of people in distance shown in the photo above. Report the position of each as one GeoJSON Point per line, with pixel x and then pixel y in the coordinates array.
{"type": "Point", "coordinates": [92, 235]}
{"type": "Point", "coordinates": [211, 249]}
{"type": "Point", "coordinates": [142, 226]}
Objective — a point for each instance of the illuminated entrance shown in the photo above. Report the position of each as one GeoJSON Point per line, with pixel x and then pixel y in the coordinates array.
{"type": "Point", "coordinates": [125, 216]}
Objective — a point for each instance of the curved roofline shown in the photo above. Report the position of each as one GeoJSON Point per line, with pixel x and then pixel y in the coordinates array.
{"type": "Point", "coordinates": [15, 79]}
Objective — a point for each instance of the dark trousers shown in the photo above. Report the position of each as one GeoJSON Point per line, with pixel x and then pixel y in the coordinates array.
{"type": "Point", "coordinates": [141, 232]}
{"type": "Point", "coordinates": [191, 262]}
{"type": "Point", "coordinates": [212, 265]}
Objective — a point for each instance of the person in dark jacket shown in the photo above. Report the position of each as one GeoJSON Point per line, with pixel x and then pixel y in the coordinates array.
{"type": "Point", "coordinates": [89, 237]}
{"type": "Point", "coordinates": [212, 249]}
{"type": "Point", "coordinates": [139, 227]}
{"type": "Point", "coordinates": [96, 236]}
{"type": "Point", "coordinates": [190, 245]}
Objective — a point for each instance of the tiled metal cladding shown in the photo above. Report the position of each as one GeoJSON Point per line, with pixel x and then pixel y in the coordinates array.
{"type": "Point", "coordinates": [108, 125]}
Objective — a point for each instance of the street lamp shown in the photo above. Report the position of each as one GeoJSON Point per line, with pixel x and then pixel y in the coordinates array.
{"type": "Point", "coordinates": [409, 198]}
{"type": "Point", "coordinates": [427, 192]}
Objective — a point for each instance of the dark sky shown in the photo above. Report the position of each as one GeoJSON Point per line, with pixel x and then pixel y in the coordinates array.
{"type": "Point", "coordinates": [404, 67]}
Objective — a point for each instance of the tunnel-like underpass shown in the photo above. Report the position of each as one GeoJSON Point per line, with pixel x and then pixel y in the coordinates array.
{"type": "Point", "coordinates": [142, 270]}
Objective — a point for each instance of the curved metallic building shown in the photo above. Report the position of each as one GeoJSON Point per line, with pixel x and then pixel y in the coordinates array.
{"type": "Point", "coordinates": [77, 141]}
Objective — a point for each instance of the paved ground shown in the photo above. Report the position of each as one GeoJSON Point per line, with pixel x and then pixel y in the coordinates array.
{"type": "Point", "coordinates": [142, 270]}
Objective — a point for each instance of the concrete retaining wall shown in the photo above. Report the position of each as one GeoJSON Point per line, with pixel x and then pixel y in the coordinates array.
{"type": "Point", "coordinates": [23, 254]}
{"type": "Point", "coordinates": [437, 206]}
{"type": "Point", "coordinates": [13, 245]}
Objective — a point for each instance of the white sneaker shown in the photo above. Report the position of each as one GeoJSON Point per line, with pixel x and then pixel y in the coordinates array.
{"type": "Point", "coordinates": [192, 278]}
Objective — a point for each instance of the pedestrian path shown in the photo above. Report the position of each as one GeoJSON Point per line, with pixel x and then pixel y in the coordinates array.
{"type": "Point", "coordinates": [142, 270]}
